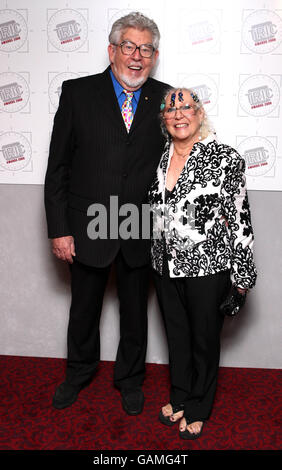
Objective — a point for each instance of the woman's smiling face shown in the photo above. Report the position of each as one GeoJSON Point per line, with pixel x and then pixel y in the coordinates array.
{"type": "Point", "coordinates": [182, 125]}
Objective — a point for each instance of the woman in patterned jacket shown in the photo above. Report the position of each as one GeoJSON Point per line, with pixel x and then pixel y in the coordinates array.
{"type": "Point", "coordinates": [202, 244]}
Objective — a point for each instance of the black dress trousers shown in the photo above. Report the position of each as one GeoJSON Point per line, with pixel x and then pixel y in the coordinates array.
{"type": "Point", "coordinates": [190, 308]}
{"type": "Point", "coordinates": [88, 286]}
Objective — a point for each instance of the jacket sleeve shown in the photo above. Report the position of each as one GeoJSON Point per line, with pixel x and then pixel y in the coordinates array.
{"type": "Point", "coordinates": [235, 208]}
{"type": "Point", "coordinates": [58, 168]}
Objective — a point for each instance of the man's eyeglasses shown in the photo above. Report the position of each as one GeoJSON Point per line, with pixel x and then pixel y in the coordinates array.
{"type": "Point", "coordinates": [186, 110]}
{"type": "Point", "coordinates": [128, 48]}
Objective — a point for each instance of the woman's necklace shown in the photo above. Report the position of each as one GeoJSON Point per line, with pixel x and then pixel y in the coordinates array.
{"type": "Point", "coordinates": [182, 157]}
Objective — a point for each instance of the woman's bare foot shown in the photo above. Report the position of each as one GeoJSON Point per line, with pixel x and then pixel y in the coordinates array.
{"type": "Point", "coordinates": [167, 411]}
{"type": "Point", "coordinates": [193, 428]}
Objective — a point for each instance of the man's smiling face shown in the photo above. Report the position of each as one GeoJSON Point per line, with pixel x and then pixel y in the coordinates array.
{"type": "Point", "coordinates": [132, 70]}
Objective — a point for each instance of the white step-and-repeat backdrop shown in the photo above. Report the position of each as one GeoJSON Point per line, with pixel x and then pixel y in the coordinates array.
{"type": "Point", "coordinates": [229, 52]}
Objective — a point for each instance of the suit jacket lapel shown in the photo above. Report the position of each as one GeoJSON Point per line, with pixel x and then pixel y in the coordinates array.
{"type": "Point", "coordinates": [144, 104]}
{"type": "Point", "coordinates": [110, 102]}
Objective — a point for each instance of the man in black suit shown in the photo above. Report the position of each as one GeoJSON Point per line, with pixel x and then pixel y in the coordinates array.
{"type": "Point", "coordinates": [106, 142]}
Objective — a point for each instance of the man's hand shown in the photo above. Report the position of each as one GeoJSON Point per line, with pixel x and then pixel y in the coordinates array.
{"type": "Point", "coordinates": [63, 248]}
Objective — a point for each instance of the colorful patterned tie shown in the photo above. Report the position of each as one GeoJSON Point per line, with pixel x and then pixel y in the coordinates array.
{"type": "Point", "coordinates": [127, 110]}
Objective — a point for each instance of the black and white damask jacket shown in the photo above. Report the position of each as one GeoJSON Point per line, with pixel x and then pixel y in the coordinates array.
{"type": "Point", "coordinates": [205, 224]}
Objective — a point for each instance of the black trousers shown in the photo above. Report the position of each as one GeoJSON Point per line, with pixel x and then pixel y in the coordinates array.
{"type": "Point", "coordinates": [193, 324]}
{"type": "Point", "coordinates": [88, 286]}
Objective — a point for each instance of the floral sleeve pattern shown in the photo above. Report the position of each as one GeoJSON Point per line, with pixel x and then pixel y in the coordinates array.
{"type": "Point", "coordinates": [236, 209]}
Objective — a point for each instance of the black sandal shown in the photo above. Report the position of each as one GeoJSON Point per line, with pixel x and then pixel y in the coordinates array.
{"type": "Point", "coordinates": [190, 435]}
{"type": "Point", "coordinates": [166, 419]}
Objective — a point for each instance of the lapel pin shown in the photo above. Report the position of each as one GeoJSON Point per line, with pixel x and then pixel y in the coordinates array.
{"type": "Point", "coordinates": [146, 98]}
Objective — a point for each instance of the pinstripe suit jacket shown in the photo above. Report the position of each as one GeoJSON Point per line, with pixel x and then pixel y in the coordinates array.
{"type": "Point", "coordinates": [92, 157]}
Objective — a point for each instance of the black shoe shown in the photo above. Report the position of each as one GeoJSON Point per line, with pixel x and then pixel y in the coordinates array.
{"type": "Point", "coordinates": [132, 401]}
{"type": "Point", "coordinates": [65, 395]}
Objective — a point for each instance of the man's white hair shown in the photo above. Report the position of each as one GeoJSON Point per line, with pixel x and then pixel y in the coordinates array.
{"type": "Point", "coordinates": [134, 20]}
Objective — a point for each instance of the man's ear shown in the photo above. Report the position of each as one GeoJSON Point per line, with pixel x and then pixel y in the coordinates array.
{"type": "Point", "coordinates": [156, 55]}
{"type": "Point", "coordinates": [111, 52]}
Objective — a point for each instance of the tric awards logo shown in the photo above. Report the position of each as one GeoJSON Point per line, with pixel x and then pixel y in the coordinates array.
{"type": "Point", "coordinates": [55, 87]}
{"type": "Point", "coordinates": [259, 95]}
{"type": "Point", "coordinates": [200, 31]}
{"type": "Point", "coordinates": [13, 30]}
{"type": "Point", "coordinates": [262, 31]}
{"type": "Point", "coordinates": [67, 30]}
{"type": "Point", "coordinates": [15, 151]}
{"type": "Point", "coordinates": [259, 154]}
{"type": "Point", "coordinates": [205, 86]}
{"type": "Point", "coordinates": [14, 92]}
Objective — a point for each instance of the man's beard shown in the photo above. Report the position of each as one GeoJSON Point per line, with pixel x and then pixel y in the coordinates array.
{"type": "Point", "coordinates": [133, 83]}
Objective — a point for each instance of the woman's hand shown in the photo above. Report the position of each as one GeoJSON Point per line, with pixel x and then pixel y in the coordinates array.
{"type": "Point", "coordinates": [242, 291]}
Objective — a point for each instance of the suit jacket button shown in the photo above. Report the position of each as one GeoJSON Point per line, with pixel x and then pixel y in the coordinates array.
{"type": "Point", "coordinates": [125, 175]}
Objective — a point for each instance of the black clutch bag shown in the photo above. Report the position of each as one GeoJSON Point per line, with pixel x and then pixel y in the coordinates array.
{"type": "Point", "coordinates": [232, 304]}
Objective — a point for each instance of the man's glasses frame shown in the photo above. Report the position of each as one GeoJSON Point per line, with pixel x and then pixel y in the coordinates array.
{"type": "Point", "coordinates": [128, 48]}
